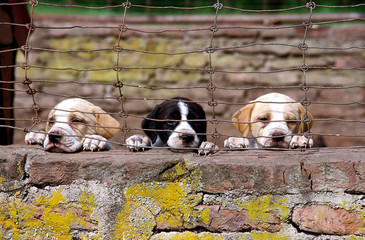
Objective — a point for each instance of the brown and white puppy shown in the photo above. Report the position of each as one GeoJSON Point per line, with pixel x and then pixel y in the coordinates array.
{"type": "Point", "coordinates": [75, 124]}
{"type": "Point", "coordinates": [177, 123]}
{"type": "Point", "coordinates": [271, 121]}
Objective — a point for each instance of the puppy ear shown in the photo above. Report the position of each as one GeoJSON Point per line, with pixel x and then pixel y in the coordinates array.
{"type": "Point", "coordinates": [50, 114]}
{"type": "Point", "coordinates": [243, 115]}
{"type": "Point", "coordinates": [150, 124]}
{"type": "Point", "coordinates": [106, 125]}
{"type": "Point", "coordinates": [304, 127]}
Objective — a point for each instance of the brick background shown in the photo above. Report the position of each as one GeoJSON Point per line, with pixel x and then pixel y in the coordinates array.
{"type": "Point", "coordinates": [329, 104]}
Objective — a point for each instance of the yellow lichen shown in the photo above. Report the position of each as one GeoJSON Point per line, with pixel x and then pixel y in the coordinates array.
{"type": "Point", "coordinates": [44, 218]}
{"type": "Point", "coordinates": [354, 207]}
{"type": "Point", "coordinates": [355, 238]}
{"type": "Point", "coordinates": [261, 209]}
{"type": "Point", "coordinates": [134, 222]}
{"type": "Point", "coordinates": [204, 216]}
{"type": "Point", "coordinates": [87, 201]}
{"type": "Point", "coordinates": [190, 236]}
{"type": "Point", "coordinates": [167, 204]}
{"type": "Point", "coordinates": [19, 168]}
{"type": "Point", "coordinates": [177, 171]}
{"type": "Point", "coordinates": [267, 236]}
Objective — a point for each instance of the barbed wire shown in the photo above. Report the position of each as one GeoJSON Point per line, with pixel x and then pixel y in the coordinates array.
{"type": "Point", "coordinates": [211, 70]}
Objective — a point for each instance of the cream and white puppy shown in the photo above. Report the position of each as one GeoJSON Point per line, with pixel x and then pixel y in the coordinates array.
{"type": "Point", "coordinates": [75, 124]}
{"type": "Point", "coordinates": [271, 121]}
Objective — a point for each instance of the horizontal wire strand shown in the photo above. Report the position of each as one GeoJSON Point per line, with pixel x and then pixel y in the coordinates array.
{"type": "Point", "coordinates": [196, 51]}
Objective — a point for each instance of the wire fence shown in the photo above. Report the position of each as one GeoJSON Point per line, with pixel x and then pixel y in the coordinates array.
{"type": "Point", "coordinates": [120, 48]}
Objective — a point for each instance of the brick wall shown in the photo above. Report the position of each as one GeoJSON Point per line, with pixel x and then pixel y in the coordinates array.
{"type": "Point", "coordinates": [316, 194]}
{"type": "Point", "coordinates": [335, 104]}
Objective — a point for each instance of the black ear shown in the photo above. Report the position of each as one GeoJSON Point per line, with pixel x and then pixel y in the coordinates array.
{"type": "Point", "coordinates": [150, 124]}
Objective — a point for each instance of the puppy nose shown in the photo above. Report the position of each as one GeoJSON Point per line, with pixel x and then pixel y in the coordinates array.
{"type": "Point", "coordinates": [187, 138]}
{"type": "Point", "coordinates": [55, 137]}
{"type": "Point", "coordinates": [278, 137]}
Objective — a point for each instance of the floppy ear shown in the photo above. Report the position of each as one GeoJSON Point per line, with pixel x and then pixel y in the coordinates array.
{"type": "Point", "coordinates": [243, 115]}
{"type": "Point", "coordinates": [304, 127]}
{"type": "Point", "coordinates": [106, 125]}
{"type": "Point", "coordinates": [150, 124]}
{"type": "Point", "coordinates": [50, 114]}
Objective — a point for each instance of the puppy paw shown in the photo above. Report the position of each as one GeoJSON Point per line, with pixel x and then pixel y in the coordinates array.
{"type": "Point", "coordinates": [235, 142]}
{"type": "Point", "coordinates": [137, 143]}
{"type": "Point", "coordinates": [207, 148]}
{"type": "Point", "coordinates": [301, 142]}
{"type": "Point", "coordinates": [96, 143]}
{"type": "Point", "coordinates": [35, 138]}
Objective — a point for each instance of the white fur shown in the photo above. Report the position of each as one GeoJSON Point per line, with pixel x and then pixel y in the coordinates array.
{"type": "Point", "coordinates": [276, 106]}
{"type": "Point", "coordinates": [140, 142]}
{"type": "Point", "coordinates": [182, 128]}
{"type": "Point", "coordinates": [70, 141]}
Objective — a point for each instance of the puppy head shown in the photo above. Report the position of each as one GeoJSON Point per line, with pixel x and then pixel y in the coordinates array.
{"type": "Point", "coordinates": [271, 119]}
{"type": "Point", "coordinates": [169, 124]}
{"type": "Point", "coordinates": [73, 118]}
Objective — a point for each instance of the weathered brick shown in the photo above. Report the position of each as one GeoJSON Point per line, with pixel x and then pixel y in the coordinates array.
{"type": "Point", "coordinates": [350, 62]}
{"type": "Point", "coordinates": [253, 171]}
{"type": "Point", "coordinates": [328, 174]}
{"type": "Point", "coordinates": [227, 220]}
{"type": "Point", "coordinates": [324, 219]}
{"type": "Point", "coordinates": [143, 194]}
{"type": "Point", "coordinates": [55, 169]}
{"type": "Point", "coordinates": [13, 169]}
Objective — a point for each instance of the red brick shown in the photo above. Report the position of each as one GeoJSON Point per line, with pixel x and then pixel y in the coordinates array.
{"type": "Point", "coordinates": [350, 62]}
{"type": "Point", "coordinates": [227, 220]}
{"type": "Point", "coordinates": [324, 219]}
{"type": "Point", "coordinates": [327, 174]}
{"type": "Point", "coordinates": [112, 167]}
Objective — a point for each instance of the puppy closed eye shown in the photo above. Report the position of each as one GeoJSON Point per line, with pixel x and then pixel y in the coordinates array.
{"type": "Point", "coordinates": [263, 119]}
{"type": "Point", "coordinates": [171, 123]}
{"type": "Point", "coordinates": [51, 123]}
{"type": "Point", "coordinates": [77, 121]}
{"type": "Point", "coordinates": [291, 122]}
{"type": "Point", "coordinates": [196, 123]}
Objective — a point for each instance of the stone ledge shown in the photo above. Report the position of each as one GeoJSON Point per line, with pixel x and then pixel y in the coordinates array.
{"type": "Point", "coordinates": [315, 194]}
{"type": "Point", "coordinates": [253, 171]}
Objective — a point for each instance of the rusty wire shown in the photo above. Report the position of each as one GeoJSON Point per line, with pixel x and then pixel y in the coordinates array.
{"type": "Point", "coordinates": [211, 70]}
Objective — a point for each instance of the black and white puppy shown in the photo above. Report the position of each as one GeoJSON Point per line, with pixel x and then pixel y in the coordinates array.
{"type": "Point", "coordinates": [177, 123]}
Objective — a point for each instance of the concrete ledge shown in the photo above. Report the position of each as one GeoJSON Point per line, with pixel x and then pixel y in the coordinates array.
{"type": "Point", "coordinates": [315, 194]}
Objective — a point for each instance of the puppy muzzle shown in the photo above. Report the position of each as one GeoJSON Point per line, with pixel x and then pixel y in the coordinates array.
{"type": "Point", "coordinates": [62, 139]}
{"type": "Point", "coordinates": [276, 137]}
{"type": "Point", "coordinates": [183, 138]}
{"type": "Point", "coordinates": [186, 138]}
